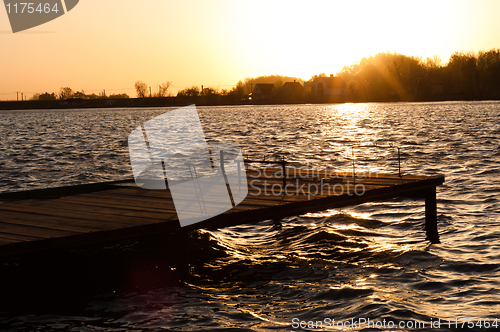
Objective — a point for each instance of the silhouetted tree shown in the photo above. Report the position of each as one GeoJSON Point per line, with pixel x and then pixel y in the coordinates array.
{"type": "Point", "coordinates": [463, 73]}
{"type": "Point", "coordinates": [488, 64]}
{"type": "Point", "coordinates": [44, 96]}
{"type": "Point", "coordinates": [93, 96]}
{"type": "Point", "coordinates": [79, 94]}
{"type": "Point", "coordinates": [209, 92]}
{"type": "Point", "coordinates": [433, 63]}
{"type": "Point", "coordinates": [119, 96]}
{"type": "Point", "coordinates": [239, 92]}
{"type": "Point", "coordinates": [163, 89]}
{"type": "Point", "coordinates": [277, 86]}
{"type": "Point", "coordinates": [381, 77]}
{"type": "Point", "coordinates": [65, 93]}
{"type": "Point", "coordinates": [141, 89]}
{"type": "Point", "coordinates": [193, 91]}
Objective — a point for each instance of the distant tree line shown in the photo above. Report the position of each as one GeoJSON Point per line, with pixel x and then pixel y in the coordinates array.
{"type": "Point", "coordinates": [391, 76]}
{"type": "Point", "coordinates": [381, 77]}
{"type": "Point", "coordinates": [277, 80]}
{"type": "Point", "coordinates": [395, 76]}
{"type": "Point", "coordinates": [240, 92]}
{"type": "Point", "coordinates": [67, 93]}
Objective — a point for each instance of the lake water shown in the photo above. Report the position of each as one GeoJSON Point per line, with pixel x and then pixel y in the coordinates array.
{"type": "Point", "coordinates": [366, 262]}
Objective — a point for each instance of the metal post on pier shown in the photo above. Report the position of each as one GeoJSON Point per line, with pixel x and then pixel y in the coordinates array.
{"type": "Point", "coordinates": [353, 166]}
{"type": "Point", "coordinates": [283, 165]}
{"type": "Point", "coordinates": [399, 161]}
{"type": "Point", "coordinates": [223, 170]}
{"type": "Point", "coordinates": [281, 162]}
{"type": "Point", "coordinates": [222, 162]}
{"type": "Point", "coordinates": [239, 174]}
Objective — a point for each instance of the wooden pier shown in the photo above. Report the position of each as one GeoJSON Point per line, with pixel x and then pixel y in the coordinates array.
{"type": "Point", "coordinates": [87, 214]}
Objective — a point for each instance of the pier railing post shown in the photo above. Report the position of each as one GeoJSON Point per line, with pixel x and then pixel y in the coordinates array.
{"type": "Point", "coordinates": [222, 162]}
{"type": "Point", "coordinates": [283, 165]}
{"type": "Point", "coordinates": [431, 229]}
{"type": "Point", "coordinates": [239, 174]}
{"type": "Point", "coordinates": [399, 161]}
{"type": "Point", "coordinates": [353, 166]}
{"type": "Point", "coordinates": [223, 171]}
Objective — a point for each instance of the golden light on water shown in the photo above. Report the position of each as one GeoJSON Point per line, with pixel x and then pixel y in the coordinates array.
{"type": "Point", "coordinates": [321, 214]}
{"type": "Point", "coordinates": [391, 247]}
{"type": "Point", "coordinates": [359, 215]}
{"type": "Point", "coordinates": [334, 228]}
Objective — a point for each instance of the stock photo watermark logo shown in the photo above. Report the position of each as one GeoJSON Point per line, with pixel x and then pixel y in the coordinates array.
{"type": "Point", "coordinates": [306, 181]}
{"type": "Point", "coordinates": [27, 15]}
{"type": "Point", "coordinates": [170, 152]}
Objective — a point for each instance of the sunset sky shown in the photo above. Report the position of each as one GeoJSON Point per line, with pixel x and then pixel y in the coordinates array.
{"type": "Point", "coordinates": [109, 45]}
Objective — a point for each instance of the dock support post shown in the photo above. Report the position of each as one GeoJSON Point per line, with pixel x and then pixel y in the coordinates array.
{"type": "Point", "coordinates": [431, 229]}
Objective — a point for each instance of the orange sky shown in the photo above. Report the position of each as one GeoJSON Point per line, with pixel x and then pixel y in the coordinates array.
{"type": "Point", "coordinates": [109, 45]}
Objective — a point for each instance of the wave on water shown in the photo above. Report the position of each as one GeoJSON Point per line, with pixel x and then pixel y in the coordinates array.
{"type": "Point", "coordinates": [363, 262]}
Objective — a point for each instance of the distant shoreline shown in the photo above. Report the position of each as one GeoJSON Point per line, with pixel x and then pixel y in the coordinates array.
{"type": "Point", "coordinates": [183, 101]}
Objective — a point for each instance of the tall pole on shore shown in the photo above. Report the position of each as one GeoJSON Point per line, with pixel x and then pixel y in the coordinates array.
{"type": "Point", "coordinates": [17, 96]}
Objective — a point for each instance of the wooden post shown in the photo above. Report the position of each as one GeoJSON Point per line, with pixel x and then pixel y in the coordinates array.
{"type": "Point", "coordinates": [431, 216]}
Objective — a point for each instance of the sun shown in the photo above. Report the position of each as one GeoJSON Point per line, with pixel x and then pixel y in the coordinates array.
{"type": "Point", "coordinates": [293, 39]}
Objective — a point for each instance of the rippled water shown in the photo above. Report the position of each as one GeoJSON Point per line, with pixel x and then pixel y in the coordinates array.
{"type": "Point", "coordinates": [363, 262]}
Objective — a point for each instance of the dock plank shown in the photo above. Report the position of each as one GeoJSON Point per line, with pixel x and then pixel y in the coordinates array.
{"type": "Point", "coordinates": [151, 202]}
{"type": "Point", "coordinates": [127, 204]}
{"type": "Point", "coordinates": [60, 223]}
{"type": "Point", "coordinates": [63, 205]}
{"type": "Point", "coordinates": [118, 221]}
{"type": "Point", "coordinates": [6, 241]}
{"type": "Point", "coordinates": [13, 238]}
{"type": "Point", "coordinates": [33, 231]}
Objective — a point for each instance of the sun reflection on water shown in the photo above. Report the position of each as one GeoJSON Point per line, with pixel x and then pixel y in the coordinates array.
{"type": "Point", "coordinates": [352, 131]}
